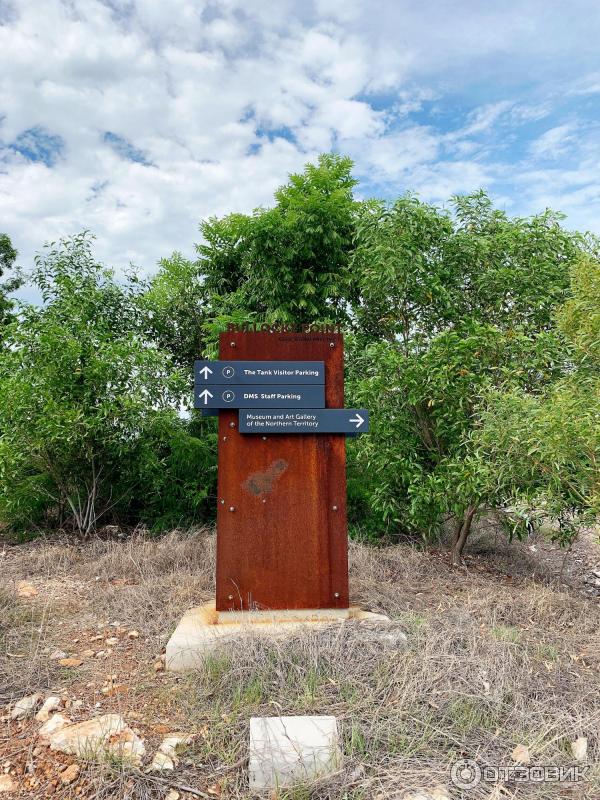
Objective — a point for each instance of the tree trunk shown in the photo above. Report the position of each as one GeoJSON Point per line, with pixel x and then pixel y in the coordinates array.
{"type": "Point", "coordinates": [463, 528]}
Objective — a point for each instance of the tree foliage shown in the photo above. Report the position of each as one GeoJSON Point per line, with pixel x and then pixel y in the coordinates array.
{"type": "Point", "coordinates": [451, 305]}
{"type": "Point", "coordinates": [175, 304]}
{"type": "Point", "coordinates": [473, 338]}
{"type": "Point", "coordinates": [8, 256]}
{"type": "Point", "coordinates": [289, 263]}
{"type": "Point", "coordinates": [541, 451]}
{"type": "Point", "coordinates": [88, 402]}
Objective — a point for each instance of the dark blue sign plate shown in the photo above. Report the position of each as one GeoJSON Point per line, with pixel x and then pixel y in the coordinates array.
{"type": "Point", "coordinates": [259, 396]}
{"type": "Point", "coordinates": [259, 372]}
{"type": "Point", "coordinates": [310, 420]}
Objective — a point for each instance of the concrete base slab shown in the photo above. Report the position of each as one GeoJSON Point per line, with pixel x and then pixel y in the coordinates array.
{"type": "Point", "coordinates": [291, 750]}
{"type": "Point", "coordinates": [203, 629]}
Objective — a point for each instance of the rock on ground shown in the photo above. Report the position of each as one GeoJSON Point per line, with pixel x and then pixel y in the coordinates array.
{"type": "Point", "coordinates": [579, 748]}
{"type": "Point", "coordinates": [26, 706]}
{"type": "Point", "coordinates": [50, 705]}
{"type": "Point", "coordinates": [127, 746]}
{"type": "Point", "coordinates": [97, 738]}
{"type": "Point", "coordinates": [521, 754]}
{"type": "Point", "coordinates": [288, 750]}
{"type": "Point", "coordinates": [70, 774]}
{"type": "Point", "coordinates": [55, 723]}
{"type": "Point", "coordinates": [25, 589]}
{"type": "Point", "coordinates": [57, 654]}
{"type": "Point", "coordinates": [7, 784]}
{"type": "Point", "coordinates": [437, 793]}
{"type": "Point", "coordinates": [165, 757]}
{"type": "Point", "coordinates": [70, 662]}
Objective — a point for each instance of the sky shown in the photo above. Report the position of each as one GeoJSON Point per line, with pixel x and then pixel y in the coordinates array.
{"type": "Point", "coordinates": [136, 120]}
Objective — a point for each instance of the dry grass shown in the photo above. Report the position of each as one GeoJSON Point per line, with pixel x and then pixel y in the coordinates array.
{"type": "Point", "coordinates": [491, 661]}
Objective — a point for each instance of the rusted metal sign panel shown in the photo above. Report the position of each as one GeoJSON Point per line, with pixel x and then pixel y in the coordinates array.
{"type": "Point", "coordinates": [281, 522]}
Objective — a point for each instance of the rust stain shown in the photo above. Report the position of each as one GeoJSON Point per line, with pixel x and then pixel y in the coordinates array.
{"type": "Point", "coordinates": [262, 482]}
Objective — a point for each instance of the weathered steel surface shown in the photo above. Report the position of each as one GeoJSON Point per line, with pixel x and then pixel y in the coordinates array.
{"type": "Point", "coordinates": [284, 544]}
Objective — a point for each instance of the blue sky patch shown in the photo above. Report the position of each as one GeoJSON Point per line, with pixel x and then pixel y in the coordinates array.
{"type": "Point", "coordinates": [38, 144]}
{"type": "Point", "coordinates": [281, 132]}
{"type": "Point", "coordinates": [125, 149]}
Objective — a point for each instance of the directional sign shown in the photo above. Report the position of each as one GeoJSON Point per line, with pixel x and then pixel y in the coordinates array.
{"type": "Point", "coordinates": [259, 372]}
{"type": "Point", "coordinates": [259, 396]}
{"type": "Point", "coordinates": [299, 420]}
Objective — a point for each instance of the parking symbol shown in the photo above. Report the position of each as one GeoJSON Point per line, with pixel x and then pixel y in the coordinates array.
{"type": "Point", "coordinates": [228, 372]}
{"type": "Point", "coordinates": [228, 396]}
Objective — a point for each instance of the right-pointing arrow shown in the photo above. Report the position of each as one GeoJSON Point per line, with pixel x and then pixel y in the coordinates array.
{"type": "Point", "coordinates": [358, 419]}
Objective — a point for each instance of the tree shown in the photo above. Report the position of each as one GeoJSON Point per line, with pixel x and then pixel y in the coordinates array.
{"type": "Point", "coordinates": [175, 303]}
{"type": "Point", "coordinates": [450, 306]}
{"type": "Point", "coordinates": [289, 263]}
{"type": "Point", "coordinates": [89, 404]}
{"type": "Point", "coordinates": [542, 451]}
{"type": "Point", "coordinates": [8, 256]}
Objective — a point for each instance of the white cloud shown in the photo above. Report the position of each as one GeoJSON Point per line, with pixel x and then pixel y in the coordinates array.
{"type": "Point", "coordinates": [590, 84]}
{"type": "Point", "coordinates": [482, 119]}
{"type": "Point", "coordinates": [555, 141]}
{"type": "Point", "coordinates": [394, 156]}
{"type": "Point", "coordinates": [219, 101]}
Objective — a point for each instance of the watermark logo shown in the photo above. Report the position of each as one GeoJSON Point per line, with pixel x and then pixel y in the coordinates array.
{"type": "Point", "coordinates": [467, 773]}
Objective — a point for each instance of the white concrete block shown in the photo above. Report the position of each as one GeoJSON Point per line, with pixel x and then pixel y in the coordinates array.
{"type": "Point", "coordinates": [202, 630]}
{"type": "Point", "coordinates": [290, 750]}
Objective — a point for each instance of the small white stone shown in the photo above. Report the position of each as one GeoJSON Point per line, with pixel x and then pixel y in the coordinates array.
{"type": "Point", "coordinates": [50, 705]}
{"type": "Point", "coordinates": [288, 750]}
{"type": "Point", "coordinates": [521, 754]}
{"type": "Point", "coordinates": [437, 793]}
{"type": "Point", "coordinates": [161, 763]}
{"type": "Point", "coordinates": [7, 784]}
{"type": "Point", "coordinates": [26, 706]}
{"type": "Point", "coordinates": [579, 748]}
{"type": "Point", "coordinates": [166, 755]}
{"type": "Point", "coordinates": [127, 746]}
{"type": "Point", "coordinates": [57, 655]}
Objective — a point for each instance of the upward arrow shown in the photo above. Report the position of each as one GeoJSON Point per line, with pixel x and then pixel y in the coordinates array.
{"type": "Point", "coordinates": [206, 394]}
{"type": "Point", "coordinates": [205, 371]}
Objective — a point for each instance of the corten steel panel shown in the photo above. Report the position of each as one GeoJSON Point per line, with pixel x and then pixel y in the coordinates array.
{"type": "Point", "coordinates": [283, 545]}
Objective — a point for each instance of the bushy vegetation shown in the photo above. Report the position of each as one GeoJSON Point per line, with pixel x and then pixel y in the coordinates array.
{"type": "Point", "coordinates": [12, 280]}
{"type": "Point", "coordinates": [88, 417]}
{"type": "Point", "coordinates": [541, 451]}
{"type": "Point", "coordinates": [471, 336]}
